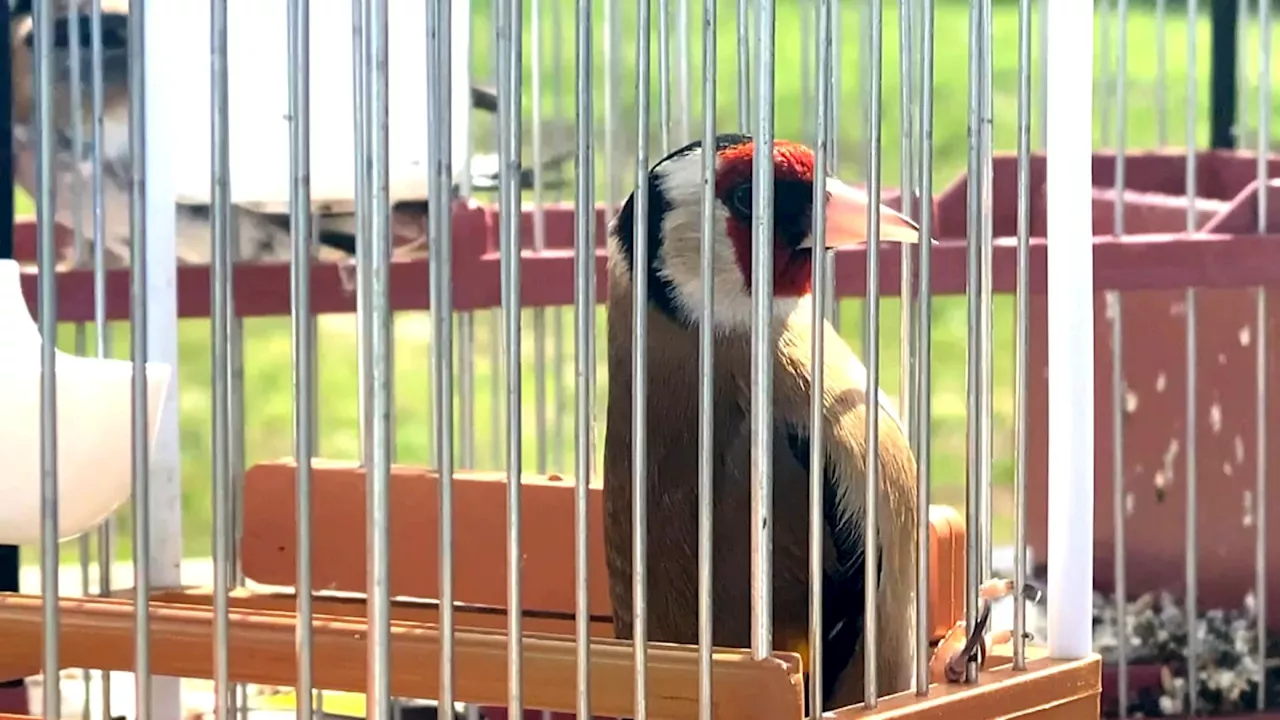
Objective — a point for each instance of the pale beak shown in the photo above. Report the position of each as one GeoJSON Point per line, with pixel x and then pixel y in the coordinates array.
{"type": "Point", "coordinates": [847, 219]}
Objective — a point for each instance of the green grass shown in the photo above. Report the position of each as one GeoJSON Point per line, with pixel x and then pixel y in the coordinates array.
{"type": "Point", "coordinates": [267, 364]}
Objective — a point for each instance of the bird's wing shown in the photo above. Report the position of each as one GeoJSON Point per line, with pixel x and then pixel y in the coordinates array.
{"type": "Point", "coordinates": [843, 579]}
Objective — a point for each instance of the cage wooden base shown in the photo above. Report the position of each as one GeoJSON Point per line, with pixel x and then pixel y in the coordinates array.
{"type": "Point", "coordinates": [99, 632]}
{"type": "Point", "coordinates": [1047, 689]}
{"type": "Point", "coordinates": [269, 546]}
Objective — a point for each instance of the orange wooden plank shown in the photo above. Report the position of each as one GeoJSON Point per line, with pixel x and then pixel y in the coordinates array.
{"type": "Point", "coordinates": [269, 545]}
{"type": "Point", "coordinates": [99, 633]}
{"type": "Point", "coordinates": [1047, 689]}
{"type": "Point", "coordinates": [354, 606]}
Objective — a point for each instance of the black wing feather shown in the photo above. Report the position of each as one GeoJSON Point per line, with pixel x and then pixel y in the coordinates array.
{"type": "Point", "coordinates": [843, 583]}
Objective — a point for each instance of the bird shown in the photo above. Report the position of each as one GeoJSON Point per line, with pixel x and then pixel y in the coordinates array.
{"type": "Point", "coordinates": [673, 312]}
{"type": "Point", "coordinates": [258, 235]}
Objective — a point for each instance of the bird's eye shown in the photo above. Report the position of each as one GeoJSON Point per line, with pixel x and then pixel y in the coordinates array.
{"type": "Point", "coordinates": [740, 200]}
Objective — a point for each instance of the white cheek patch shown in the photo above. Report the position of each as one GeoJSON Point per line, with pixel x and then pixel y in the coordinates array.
{"type": "Point", "coordinates": [681, 250]}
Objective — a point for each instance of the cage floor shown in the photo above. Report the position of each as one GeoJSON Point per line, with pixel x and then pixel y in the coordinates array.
{"type": "Point", "coordinates": [198, 695]}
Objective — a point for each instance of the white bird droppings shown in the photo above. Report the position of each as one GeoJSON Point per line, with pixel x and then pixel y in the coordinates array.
{"type": "Point", "coordinates": [1239, 443]}
{"type": "Point", "coordinates": [1165, 474]}
{"type": "Point", "coordinates": [1162, 382]}
{"type": "Point", "coordinates": [1160, 481]}
{"type": "Point", "coordinates": [1215, 418]}
{"type": "Point", "coordinates": [1130, 401]}
{"type": "Point", "coordinates": [1246, 335]}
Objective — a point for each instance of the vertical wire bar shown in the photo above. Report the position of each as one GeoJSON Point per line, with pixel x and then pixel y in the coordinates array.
{"type": "Point", "coordinates": [464, 188]}
{"type": "Point", "coordinates": [985, 300]}
{"type": "Point", "coordinates": [817, 417]}
{"type": "Point", "coordinates": [761, 342]}
{"type": "Point", "coordinates": [1238, 131]}
{"type": "Point", "coordinates": [467, 387]}
{"type": "Point", "coordinates": [584, 299]}
{"type": "Point", "coordinates": [664, 76]}
{"type": "Point", "coordinates": [48, 305]}
{"type": "Point", "coordinates": [612, 84]}
{"type": "Point", "coordinates": [924, 365]}
{"type": "Point", "coordinates": [379, 324]}
{"type": "Point", "coordinates": [831, 310]}
{"type": "Point", "coordinates": [76, 107]}
{"type": "Point", "coordinates": [102, 331]}
{"type": "Point", "coordinates": [744, 64]}
{"type": "Point", "coordinates": [539, 241]}
{"type": "Point", "coordinates": [1192, 542]}
{"type": "Point", "coordinates": [75, 60]}
{"type": "Point", "coordinates": [440, 250]}
{"type": "Point", "coordinates": [871, 334]}
{"type": "Point", "coordinates": [1115, 308]}
{"type": "Point", "coordinates": [509, 93]}
{"type": "Point", "coordinates": [907, 357]}
{"type": "Point", "coordinates": [364, 272]}
{"type": "Point", "coordinates": [1022, 341]}
{"type": "Point", "coordinates": [558, 459]}
{"type": "Point", "coordinates": [304, 406]}
{"type": "Point", "coordinates": [1103, 82]}
{"type": "Point", "coordinates": [973, 389]}
{"type": "Point", "coordinates": [496, 391]}
{"type": "Point", "coordinates": [836, 90]}
{"type": "Point", "coordinates": [141, 456]}
{"type": "Point", "coordinates": [706, 366]}
{"type": "Point", "coordinates": [639, 373]}
{"type": "Point", "coordinates": [806, 71]}
{"type": "Point", "coordinates": [1043, 44]}
{"type": "Point", "coordinates": [1162, 77]}
{"type": "Point", "coordinates": [220, 164]}
{"type": "Point", "coordinates": [1261, 421]}
{"type": "Point", "coordinates": [236, 441]}
{"type": "Point", "coordinates": [833, 292]}
{"type": "Point", "coordinates": [863, 60]}
{"type": "Point", "coordinates": [360, 105]}
{"type": "Point", "coordinates": [684, 71]}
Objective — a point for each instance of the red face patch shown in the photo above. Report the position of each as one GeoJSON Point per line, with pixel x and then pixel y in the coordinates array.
{"type": "Point", "coordinates": [791, 161]}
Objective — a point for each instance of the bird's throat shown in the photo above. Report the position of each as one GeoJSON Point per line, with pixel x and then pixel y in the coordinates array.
{"type": "Point", "coordinates": [792, 266]}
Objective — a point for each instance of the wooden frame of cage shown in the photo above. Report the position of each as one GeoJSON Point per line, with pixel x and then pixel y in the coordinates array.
{"type": "Point", "coordinates": [98, 632]}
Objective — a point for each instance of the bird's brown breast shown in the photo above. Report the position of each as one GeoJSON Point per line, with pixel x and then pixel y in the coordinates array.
{"type": "Point", "coordinates": [671, 480]}
{"type": "Point", "coordinates": [672, 471]}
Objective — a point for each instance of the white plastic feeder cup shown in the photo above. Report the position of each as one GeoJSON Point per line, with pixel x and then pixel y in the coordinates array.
{"type": "Point", "coordinates": [94, 410]}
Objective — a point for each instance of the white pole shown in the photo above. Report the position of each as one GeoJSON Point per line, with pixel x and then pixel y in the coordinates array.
{"type": "Point", "coordinates": [164, 40]}
{"type": "Point", "coordinates": [1069, 203]}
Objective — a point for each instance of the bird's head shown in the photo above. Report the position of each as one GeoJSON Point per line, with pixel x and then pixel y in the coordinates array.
{"type": "Point", "coordinates": [674, 229]}
{"type": "Point", "coordinates": [115, 66]}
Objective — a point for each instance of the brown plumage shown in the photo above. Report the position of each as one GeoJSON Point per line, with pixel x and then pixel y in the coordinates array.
{"type": "Point", "coordinates": [673, 407]}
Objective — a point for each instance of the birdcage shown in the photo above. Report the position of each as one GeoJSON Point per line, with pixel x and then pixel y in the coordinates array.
{"type": "Point", "coordinates": [361, 528]}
